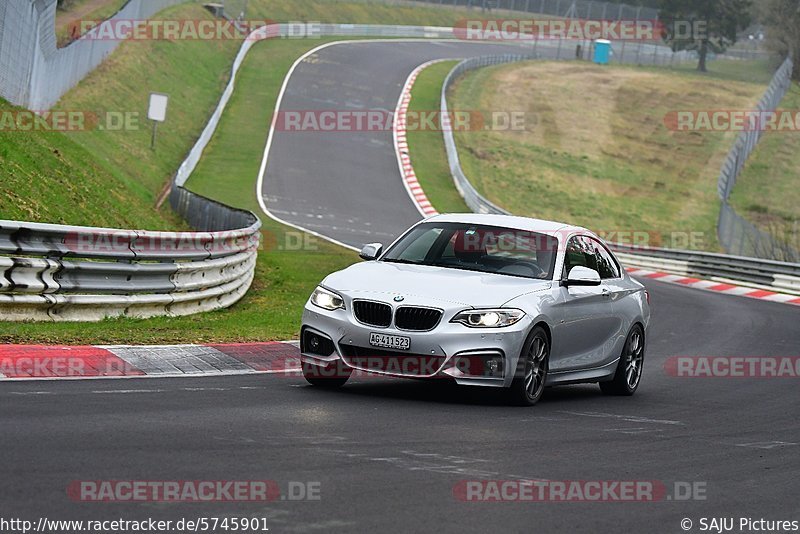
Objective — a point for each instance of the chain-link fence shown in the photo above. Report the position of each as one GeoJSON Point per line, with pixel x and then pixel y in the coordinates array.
{"type": "Point", "coordinates": [576, 9]}
{"type": "Point", "coordinates": [736, 234]}
{"type": "Point", "coordinates": [34, 72]}
{"type": "Point", "coordinates": [235, 9]}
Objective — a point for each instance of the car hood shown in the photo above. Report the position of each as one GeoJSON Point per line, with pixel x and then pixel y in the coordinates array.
{"type": "Point", "coordinates": [422, 282]}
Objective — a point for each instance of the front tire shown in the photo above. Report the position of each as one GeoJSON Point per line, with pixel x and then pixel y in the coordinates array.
{"type": "Point", "coordinates": [331, 376]}
{"type": "Point", "coordinates": [629, 370]}
{"type": "Point", "coordinates": [529, 380]}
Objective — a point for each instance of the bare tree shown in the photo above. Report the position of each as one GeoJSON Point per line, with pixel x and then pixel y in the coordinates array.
{"type": "Point", "coordinates": [782, 20]}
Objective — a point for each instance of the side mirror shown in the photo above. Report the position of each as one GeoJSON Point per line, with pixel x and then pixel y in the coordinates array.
{"type": "Point", "coordinates": [582, 276]}
{"type": "Point", "coordinates": [371, 251]}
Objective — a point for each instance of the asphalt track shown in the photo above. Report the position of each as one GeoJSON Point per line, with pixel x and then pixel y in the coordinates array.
{"type": "Point", "coordinates": [389, 453]}
{"type": "Point", "coordinates": [346, 184]}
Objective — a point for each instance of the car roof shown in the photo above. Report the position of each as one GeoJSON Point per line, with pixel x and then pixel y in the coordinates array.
{"type": "Point", "coordinates": [511, 221]}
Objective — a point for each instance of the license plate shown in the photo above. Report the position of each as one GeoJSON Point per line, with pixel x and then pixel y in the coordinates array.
{"type": "Point", "coordinates": [389, 342]}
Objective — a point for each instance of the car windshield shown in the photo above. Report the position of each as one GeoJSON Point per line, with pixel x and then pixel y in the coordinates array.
{"type": "Point", "coordinates": [473, 247]}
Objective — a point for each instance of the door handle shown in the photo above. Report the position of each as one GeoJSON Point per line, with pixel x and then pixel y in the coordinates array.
{"type": "Point", "coordinates": [606, 293]}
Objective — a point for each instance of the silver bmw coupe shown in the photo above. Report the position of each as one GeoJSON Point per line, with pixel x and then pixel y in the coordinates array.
{"type": "Point", "coordinates": [485, 300]}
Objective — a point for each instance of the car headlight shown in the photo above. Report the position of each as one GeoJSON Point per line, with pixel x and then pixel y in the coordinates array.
{"type": "Point", "coordinates": [488, 318]}
{"type": "Point", "coordinates": [327, 300]}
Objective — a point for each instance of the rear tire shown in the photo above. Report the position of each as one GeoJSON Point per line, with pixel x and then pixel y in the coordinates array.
{"type": "Point", "coordinates": [531, 373]}
{"type": "Point", "coordinates": [331, 376]}
{"type": "Point", "coordinates": [629, 370]}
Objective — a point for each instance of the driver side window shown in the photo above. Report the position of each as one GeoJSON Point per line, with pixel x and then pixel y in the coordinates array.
{"type": "Point", "coordinates": [580, 253]}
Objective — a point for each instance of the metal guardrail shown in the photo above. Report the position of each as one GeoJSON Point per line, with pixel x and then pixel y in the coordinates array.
{"type": "Point", "coordinates": [474, 200]}
{"type": "Point", "coordinates": [75, 273]}
{"type": "Point", "coordinates": [765, 273]}
{"type": "Point", "coordinates": [768, 274]}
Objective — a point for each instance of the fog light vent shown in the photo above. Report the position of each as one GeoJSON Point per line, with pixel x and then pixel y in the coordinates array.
{"type": "Point", "coordinates": [481, 364]}
{"type": "Point", "coordinates": [314, 343]}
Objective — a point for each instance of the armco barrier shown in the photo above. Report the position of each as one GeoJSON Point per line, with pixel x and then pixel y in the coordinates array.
{"type": "Point", "coordinates": [474, 200]}
{"type": "Point", "coordinates": [766, 273]}
{"type": "Point", "coordinates": [776, 276]}
{"type": "Point", "coordinates": [73, 273]}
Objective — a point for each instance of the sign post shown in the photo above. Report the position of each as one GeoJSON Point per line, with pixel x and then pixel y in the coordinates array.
{"type": "Point", "coordinates": [157, 112]}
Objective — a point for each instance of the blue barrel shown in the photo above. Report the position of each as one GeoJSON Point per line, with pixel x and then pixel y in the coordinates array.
{"type": "Point", "coordinates": [602, 51]}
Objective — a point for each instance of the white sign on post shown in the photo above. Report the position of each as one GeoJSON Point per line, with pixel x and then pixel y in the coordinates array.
{"type": "Point", "coordinates": [158, 107]}
{"type": "Point", "coordinates": [157, 113]}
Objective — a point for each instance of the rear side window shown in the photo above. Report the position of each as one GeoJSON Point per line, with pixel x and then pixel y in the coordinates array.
{"type": "Point", "coordinates": [606, 265]}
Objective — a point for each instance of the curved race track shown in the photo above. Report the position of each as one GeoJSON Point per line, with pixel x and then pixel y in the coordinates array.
{"type": "Point", "coordinates": [388, 453]}
{"type": "Point", "coordinates": [346, 184]}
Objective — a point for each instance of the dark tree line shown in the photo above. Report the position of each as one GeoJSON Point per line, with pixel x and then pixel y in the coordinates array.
{"type": "Point", "coordinates": [704, 25]}
{"type": "Point", "coordinates": [715, 24]}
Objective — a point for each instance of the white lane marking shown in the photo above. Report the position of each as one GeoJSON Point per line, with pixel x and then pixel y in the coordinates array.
{"type": "Point", "coordinates": [780, 297]}
{"type": "Point", "coordinates": [132, 377]}
{"type": "Point", "coordinates": [279, 101]}
{"type": "Point", "coordinates": [743, 291]}
{"type": "Point", "coordinates": [633, 431]}
{"type": "Point", "coordinates": [126, 391]}
{"type": "Point", "coordinates": [704, 284]}
{"type": "Point", "coordinates": [670, 278]}
{"type": "Point", "coordinates": [767, 444]}
{"type": "Point", "coordinates": [628, 418]}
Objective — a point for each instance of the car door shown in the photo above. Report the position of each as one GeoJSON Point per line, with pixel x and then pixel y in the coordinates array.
{"type": "Point", "coordinates": [622, 305]}
{"type": "Point", "coordinates": [585, 329]}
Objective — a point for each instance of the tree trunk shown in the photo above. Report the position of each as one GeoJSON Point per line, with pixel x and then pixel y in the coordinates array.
{"type": "Point", "coordinates": [703, 52]}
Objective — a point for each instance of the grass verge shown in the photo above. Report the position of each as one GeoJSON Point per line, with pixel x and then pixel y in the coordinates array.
{"type": "Point", "coordinates": [595, 150]}
{"type": "Point", "coordinates": [286, 272]}
{"type": "Point", "coordinates": [426, 147]}
{"type": "Point", "coordinates": [47, 176]}
{"type": "Point", "coordinates": [72, 13]}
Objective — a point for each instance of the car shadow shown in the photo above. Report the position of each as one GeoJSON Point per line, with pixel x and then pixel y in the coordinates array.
{"type": "Point", "coordinates": [447, 392]}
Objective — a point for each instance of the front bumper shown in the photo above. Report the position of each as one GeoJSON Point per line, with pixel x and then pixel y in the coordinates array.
{"type": "Point", "coordinates": [450, 350]}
